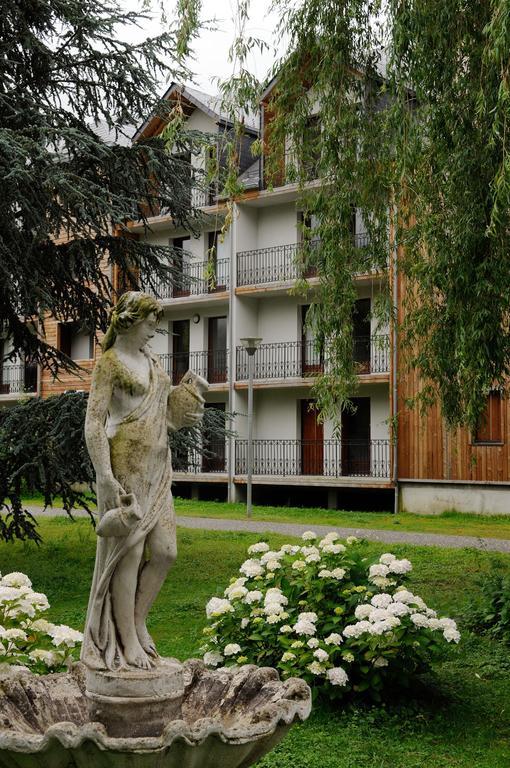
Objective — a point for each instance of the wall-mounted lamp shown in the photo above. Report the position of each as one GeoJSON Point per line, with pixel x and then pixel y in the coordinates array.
{"type": "Point", "coordinates": [196, 318]}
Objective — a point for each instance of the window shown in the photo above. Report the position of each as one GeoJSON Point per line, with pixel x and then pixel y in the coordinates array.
{"type": "Point", "coordinates": [75, 341]}
{"type": "Point", "coordinates": [490, 427]}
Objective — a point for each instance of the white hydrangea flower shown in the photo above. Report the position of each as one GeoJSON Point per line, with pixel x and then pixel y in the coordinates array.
{"type": "Point", "coordinates": [355, 630]}
{"type": "Point", "coordinates": [337, 676]}
{"type": "Point", "coordinates": [313, 642]}
{"type": "Point", "coordinates": [273, 565]}
{"type": "Point", "coordinates": [260, 546]}
{"type": "Point", "coordinates": [315, 668]}
{"type": "Point", "coordinates": [451, 635]}
{"type": "Point", "coordinates": [235, 592]}
{"type": "Point", "coordinates": [271, 608]}
{"type": "Point", "coordinates": [275, 595]}
{"type": "Point", "coordinates": [308, 535]}
{"type": "Point", "coordinates": [313, 558]}
{"type": "Point", "coordinates": [14, 634]}
{"type": "Point", "coordinates": [325, 574]}
{"type": "Point", "coordinates": [244, 623]}
{"type": "Point", "coordinates": [378, 569]}
{"type": "Point", "coordinates": [297, 644]}
{"type": "Point", "coordinates": [273, 618]}
{"type": "Point", "coordinates": [382, 582]}
{"type": "Point", "coordinates": [217, 607]}
{"type": "Point", "coordinates": [251, 568]}
{"type": "Point", "coordinates": [381, 601]}
{"type": "Point", "coordinates": [253, 597]}
{"type": "Point", "coordinates": [381, 662]}
{"type": "Point", "coordinates": [231, 649]}
{"type": "Point", "coordinates": [289, 549]}
{"type": "Point", "coordinates": [8, 594]}
{"type": "Point", "coordinates": [271, 555]}
{"type": "Point", "coordinates": [333, 639]}
{"type": "Point", "coordinates": [398, 609]}
{"type": "Point", "coordinates": [434, 623]}
{"type": "Point", "coordinates": [379, 614]}
{"type": "Point", "coordinates": [333, 549]}
{"type": "Point", "coordinates": [321, 655]}
{"type": "Point", "coordinates": [387, 558]}
{"type": "Point", "coordinates": [63, 635]}
{"type": "Point", "coordinates": [404, 596]}
{"type": "Point", "coordinates": [298, 565]}
{"type": "Point", "coordinates": [447, 623]}
{"type": "Point", "coordinates": [288, 656]}
{"type": "Point", "coordinates": [286, 629]}
{"type": "Point", "coordinates": [400, 566]}
{"type": "Point", "coordinates": [212, 658]}
{"type": "Point", "coordinates": [304, 627]}
{"type": "Point", "coordinates": [329, 538]}
{"type": "Point", "coordinates": [338, 573]}
{"type": "Point", "coordinates": [380, 627]}
{"type": "Point", "coordinates": [41, 625]}
{"type": "Point", "coordinates": [310, 551]}
{"type": "Point", "coordinates": [363, 611]}
{"type": "Point", "coordinates": [16, 579]}
{"type": "Point", "coordinates": [308, 616]}
{"type": "Point", "coordinates": [352, 540]}
{"type": "Point", "coordinates": [419, 620]}
{"type": "Point", "coordinates": [49, 658]}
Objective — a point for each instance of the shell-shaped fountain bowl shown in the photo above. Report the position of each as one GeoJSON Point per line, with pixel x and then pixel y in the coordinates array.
{"type": "Point", "coordinates": [230, 717]}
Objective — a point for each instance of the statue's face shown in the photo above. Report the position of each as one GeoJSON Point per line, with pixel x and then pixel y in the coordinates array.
{"type": "Point", "coordinates": [141, 333]}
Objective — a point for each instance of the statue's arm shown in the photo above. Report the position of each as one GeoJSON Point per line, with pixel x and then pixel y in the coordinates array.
{"type": "Point", "coordinates": [95, 435]}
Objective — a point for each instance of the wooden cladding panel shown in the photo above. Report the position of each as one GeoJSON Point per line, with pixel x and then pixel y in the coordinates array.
{"type": "Point", "coordinates": [428, 450]}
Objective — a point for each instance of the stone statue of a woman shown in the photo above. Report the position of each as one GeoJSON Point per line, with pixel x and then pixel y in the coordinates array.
{"type": "Point", "coordinates": [132, 405]}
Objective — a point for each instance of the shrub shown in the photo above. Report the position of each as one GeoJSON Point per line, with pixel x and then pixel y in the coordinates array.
{"type": "Point", "coordinates": [324, 612]}
{"type": "Point", "coordinates": [489, 612]}
{"type": "Point", "coordinates": [26, 638]}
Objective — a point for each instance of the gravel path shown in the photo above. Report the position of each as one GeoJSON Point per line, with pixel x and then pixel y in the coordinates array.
{"type": "Point", "coordinates": [294, 529]}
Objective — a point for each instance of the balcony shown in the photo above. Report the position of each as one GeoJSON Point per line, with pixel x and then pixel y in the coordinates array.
{"type": "Point", "coordinates": [285, 263]}
{"type": "Point", "coordinates": [18, 379]}
{"type": "Point", "coordinates": [326, 458]}
{"type": "Point", "coordinates": [192, 462]}
{"type": "Point", "coordinates": [195, 279]}
{"type": "Point", "coordinates": [301, 359]}
{"type": "Point", "coordinates": [212, 365]}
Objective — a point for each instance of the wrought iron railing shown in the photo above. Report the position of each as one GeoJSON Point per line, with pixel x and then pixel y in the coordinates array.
{"type": "Point", "coordinates": [213, 460]}
{"type": "Point", "coordinates": [283, 263]}
{"type": "Point", "coordinates": [325, 458]}
{"type": "Point", "coordinates": [296, 359]}
{"type": "Point", "coordinates": [194, 278]}
{"type": "Point", "coordinates": [212, 365]}
{"type": "Point", "coordinates": [17, 378]}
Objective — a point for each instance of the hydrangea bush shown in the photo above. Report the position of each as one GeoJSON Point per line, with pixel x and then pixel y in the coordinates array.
{"type": "Point", "coordinates": [325, 612]}
{"type": "Point", "coordinates": [26, 638]}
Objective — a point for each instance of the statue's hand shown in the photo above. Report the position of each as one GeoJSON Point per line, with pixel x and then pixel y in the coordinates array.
{"type": "Point", "coordinates": [109, 490]}
{"type": "Point", "coordinates": [192, 417]}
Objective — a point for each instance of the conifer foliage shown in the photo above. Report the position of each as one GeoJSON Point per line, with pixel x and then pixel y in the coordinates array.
{"type": "Point", "coordinates": [70, 180]}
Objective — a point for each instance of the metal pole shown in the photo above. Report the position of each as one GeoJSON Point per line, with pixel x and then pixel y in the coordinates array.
{"type": "Point", "coordinates": [250, 435]}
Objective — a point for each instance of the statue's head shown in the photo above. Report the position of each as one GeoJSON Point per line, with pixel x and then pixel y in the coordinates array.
{"type": "Point", "coordinates": [132, 309]}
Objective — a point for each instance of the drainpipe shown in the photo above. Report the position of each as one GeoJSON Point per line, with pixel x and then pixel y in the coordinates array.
{"type": "Point", "coordinates": [395, 361]}
{"type": "Point", "coordinates": [232, 351]}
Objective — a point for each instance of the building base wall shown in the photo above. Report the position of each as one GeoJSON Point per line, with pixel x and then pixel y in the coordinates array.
{"type": "Point", "coordinates": [435, 497]}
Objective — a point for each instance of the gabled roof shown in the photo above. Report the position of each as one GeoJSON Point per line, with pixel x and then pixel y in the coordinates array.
{"type": "Point", "coordinates": [209, 104]}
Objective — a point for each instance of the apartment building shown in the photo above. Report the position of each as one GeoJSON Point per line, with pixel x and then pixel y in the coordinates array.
{"type": "Point", "coordinates": [241, 285]}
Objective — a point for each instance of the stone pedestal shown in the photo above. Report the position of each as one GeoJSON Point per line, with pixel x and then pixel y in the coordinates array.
{"type": "Point", "coordinates": [134, 703]}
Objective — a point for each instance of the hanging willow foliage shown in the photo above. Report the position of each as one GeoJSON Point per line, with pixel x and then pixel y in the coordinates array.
{"type": "Point", "coordinates": [412, 101]}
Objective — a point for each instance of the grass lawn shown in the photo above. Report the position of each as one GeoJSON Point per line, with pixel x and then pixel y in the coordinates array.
{"type": "Point", "coordinates": [459, 718]}
{"type": "Point", "coordinates": [448, 523]}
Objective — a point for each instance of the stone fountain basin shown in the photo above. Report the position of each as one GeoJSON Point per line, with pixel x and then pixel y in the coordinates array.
{"type": "Point", "coordinates": [230, 717]}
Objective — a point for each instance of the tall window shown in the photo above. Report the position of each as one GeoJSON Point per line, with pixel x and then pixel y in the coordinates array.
{"type": "Point", "coordinates": [75, 341]}
{"type": "Point", "coordinates": [490, 428]}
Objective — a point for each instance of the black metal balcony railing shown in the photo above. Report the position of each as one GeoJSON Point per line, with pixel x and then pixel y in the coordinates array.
{"type": "Point", "coordinates": [17, 379]}
{"type": "Point", "coordinates": [326, 458]}
{"type": "Point", "coordinates": [285, 360]}
{"type": "Point", "coordinates": [212, 365]}
{"type": "Point", "coordinates": [196, 279]}
{"type": "Point", "coordinates": [213, 460]}
{"type": "Point", "coordinates": [283, 263]}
